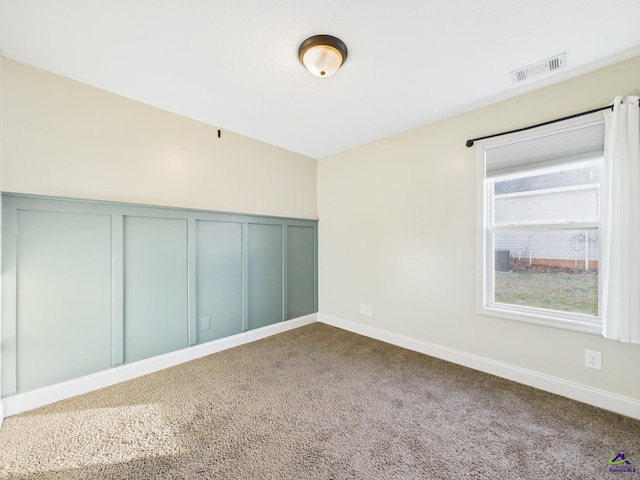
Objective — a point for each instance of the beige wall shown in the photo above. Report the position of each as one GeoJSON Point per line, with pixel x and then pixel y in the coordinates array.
{"type": "Point", "coordinates": [63, 138]}
{"type": "Point", "coordinates": [398, 231]}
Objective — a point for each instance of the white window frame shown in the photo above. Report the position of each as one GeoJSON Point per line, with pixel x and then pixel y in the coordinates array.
{"type": "Point", "coordinates": [485, 268]}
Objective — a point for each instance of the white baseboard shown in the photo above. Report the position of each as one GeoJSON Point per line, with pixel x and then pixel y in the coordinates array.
{"type": "Point", "coordinates": [36, 398]}
{"type": "Point", "coordinates": [582, 393]}
{"type": "Point", "coordinates": [43, 396]}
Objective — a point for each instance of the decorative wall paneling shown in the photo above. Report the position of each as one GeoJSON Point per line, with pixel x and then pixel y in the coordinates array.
{"type": "Point", "coordinates": [89, 286]}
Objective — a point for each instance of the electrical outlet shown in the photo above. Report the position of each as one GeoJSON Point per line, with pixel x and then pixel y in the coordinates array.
{"type": "Point", "coordinates": [593, 359]}
{"type": "Point", "coordinates": [363, 308]}
{"type": "Point", "coordinates": [205, 323]}
{"type": "Point", "coordinates": [370, 310]}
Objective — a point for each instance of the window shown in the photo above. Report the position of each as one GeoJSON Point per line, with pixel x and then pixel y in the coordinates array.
{"type": "Point", "coordinates": [540, 218]}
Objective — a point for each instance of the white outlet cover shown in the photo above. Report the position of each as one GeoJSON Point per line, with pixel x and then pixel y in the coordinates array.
{"type": "Point", "coordinates": [205, 323]}
{"type": "Point", "coordinates": [363, 308]}
{"type": "Point", "coordinates": [369, 309]}
{"type": "Point", "coordinates": [593, 359]}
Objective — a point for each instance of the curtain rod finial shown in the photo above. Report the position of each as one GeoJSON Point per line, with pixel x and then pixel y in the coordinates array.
{"type": "Point", "coordinates": [469, 143]}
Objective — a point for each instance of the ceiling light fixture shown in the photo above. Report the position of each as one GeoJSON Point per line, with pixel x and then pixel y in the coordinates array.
{"type": "Point", "coordinates": [322, 55]}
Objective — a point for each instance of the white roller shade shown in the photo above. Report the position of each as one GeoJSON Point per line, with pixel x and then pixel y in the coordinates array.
{"type": "Point", "coordinates": [565, 146]}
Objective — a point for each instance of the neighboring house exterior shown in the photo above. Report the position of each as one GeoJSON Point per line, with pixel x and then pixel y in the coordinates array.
{"type": "Point", "coordinates": [564, 248]}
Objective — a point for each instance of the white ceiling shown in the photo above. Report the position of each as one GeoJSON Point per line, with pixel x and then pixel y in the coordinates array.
{"type": "Point", "coordinates": [233, 63]}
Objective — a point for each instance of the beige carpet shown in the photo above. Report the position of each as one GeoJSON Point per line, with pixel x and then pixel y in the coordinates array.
{"type": "Point", "coordinates": [317, 403]}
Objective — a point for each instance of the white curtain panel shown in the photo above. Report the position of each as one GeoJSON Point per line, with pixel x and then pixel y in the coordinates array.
{"type": "Point", "coordinates": [620, 239]}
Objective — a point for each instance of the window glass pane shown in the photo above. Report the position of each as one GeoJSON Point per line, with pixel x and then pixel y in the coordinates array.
{"type": "Point", "coordinates": [584, 174]}
{"type": "Point", "coordinates": [549, 269]}
{"type": "Point", "coordinates": [558, 195]}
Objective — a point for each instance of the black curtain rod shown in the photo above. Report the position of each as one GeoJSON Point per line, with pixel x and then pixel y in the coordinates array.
{"type": "Point", "coordinates": [470, 142]}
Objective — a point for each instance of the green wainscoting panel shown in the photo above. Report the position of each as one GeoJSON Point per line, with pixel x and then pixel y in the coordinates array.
{"type": "Point", "coordinates": [266, 274]}
{"type": "Point", "coordinates": [89, 285]}
{"type": "Point", "coordinates": [301, 272]}
{"type": "Point", "coordinates": [155, 287]}
{"type": "Point", "coordinates": [218, 279]}
{"type": "Point", "coordinates": [63, 296]}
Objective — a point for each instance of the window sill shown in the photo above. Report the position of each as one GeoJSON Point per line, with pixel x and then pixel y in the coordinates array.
{"type": "Point", "coordinates": [576, 323]}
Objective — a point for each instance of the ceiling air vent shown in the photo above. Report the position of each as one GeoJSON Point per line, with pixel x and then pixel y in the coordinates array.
{"type": "Point", "coordinates": [538, 69]}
